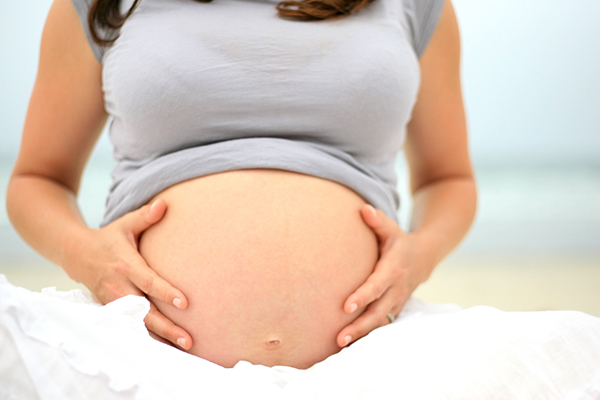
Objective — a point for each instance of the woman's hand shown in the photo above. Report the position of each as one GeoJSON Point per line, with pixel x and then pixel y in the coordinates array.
{"type": "Point", "coordinates": [112, 268]}
{"type": "Point", "coordinates": [396, 275]}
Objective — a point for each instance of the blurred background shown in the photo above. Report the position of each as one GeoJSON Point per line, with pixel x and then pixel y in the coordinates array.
{"type": "Point", "coordinates": [531, 78]}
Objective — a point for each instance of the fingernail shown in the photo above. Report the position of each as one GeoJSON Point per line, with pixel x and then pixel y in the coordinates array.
{"type": "Point", "coordinates": [177, 302]}
{"type": "Point", "coordinates": [347, 340]}
{"type": "Point", "coordinates": [153, 205]}
{"type": "Point", "coordinates": [372, 209]}
{"type": "Point", "coordinates": [181, 342]}
{"type": "Point", "coordinates": [353, 307]}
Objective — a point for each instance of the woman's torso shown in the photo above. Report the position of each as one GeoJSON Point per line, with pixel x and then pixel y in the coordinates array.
{"type": "Point", "coordinates": [231, 113]}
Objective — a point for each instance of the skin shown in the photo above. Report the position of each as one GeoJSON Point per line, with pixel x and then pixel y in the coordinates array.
{"type": "Point", "coordinates": [64, 120]}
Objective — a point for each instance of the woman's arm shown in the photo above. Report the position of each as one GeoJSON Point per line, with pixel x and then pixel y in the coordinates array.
{"type": "Point", "coordinates": [441, 175]}
{"type": "Point", "coordinates": [64, 120]}
{"type": "Point", "coordinates": [442, 184]}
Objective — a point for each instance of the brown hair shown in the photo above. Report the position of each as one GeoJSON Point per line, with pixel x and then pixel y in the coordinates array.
{"type": "Point", "coordinates": [105, 14]}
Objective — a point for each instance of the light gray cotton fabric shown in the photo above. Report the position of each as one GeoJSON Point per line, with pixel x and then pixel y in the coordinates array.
{"type": "Point", "coordinates": [198, 88]}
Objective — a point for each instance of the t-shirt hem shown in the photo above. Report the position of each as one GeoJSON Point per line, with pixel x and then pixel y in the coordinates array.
{"type": "Point", "coordinates": [268, 153]}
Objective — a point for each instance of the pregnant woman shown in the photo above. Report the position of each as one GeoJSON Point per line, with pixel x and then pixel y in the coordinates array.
{"type": "Point", "coordinates": [254, 201]}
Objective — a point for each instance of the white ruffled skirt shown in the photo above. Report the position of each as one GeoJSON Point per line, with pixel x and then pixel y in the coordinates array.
{"type": "Point", "coordinates": [63, 345]}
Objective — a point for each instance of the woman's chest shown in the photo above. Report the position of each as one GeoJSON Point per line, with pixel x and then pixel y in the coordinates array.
{"type": "Point", "coordinates": [184, 74]}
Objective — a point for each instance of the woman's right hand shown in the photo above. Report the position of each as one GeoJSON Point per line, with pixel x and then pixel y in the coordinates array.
{"type": "Point", "coordinates": [111, 267]}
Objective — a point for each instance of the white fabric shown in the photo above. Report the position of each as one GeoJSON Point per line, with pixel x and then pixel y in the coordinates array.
{"type": "Point", "coordinates": [57, 345]}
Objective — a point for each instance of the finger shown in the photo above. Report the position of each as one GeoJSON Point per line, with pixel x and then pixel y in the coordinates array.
{"type": "Point", "coordinates": [162, 326]}
{"type": "Point", "coordinates": [374, 317]}
{"type": "Point", "coordinates": [141, 219]}
{"type": "Point", "coordinates": [385, 274]}
{"type": "Point", "coordinates": [149, 282]}
{"type": "Point", "coordinates": [372, 289]}
{"type": "Point", "coordinates": [113, 290]}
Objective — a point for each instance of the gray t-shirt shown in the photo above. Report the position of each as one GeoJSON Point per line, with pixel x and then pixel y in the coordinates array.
{"type": "Point", "coordinates": [199, 88]}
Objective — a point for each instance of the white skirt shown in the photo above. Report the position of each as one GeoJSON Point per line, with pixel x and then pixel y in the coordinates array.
{"type": "Point", "coordinates": [63, 345]}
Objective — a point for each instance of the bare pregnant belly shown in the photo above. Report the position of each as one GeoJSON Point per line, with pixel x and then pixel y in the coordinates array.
{"type": "Point", "coordinates": [266, 259]}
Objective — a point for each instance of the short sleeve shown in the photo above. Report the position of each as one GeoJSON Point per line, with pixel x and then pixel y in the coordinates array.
{"type": "Point", "coordinates": [82, 7]}
{"type": "Point", "coordinates": [423, 17]}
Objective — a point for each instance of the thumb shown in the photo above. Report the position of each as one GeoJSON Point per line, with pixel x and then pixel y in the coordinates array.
{"type": "Point", "coordinates": [143, 218]}
{"type": "Point", "coordinates": [383, 226]}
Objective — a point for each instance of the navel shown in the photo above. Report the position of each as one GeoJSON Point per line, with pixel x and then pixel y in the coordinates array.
{"type": "Point", "coordinates": [272, 343]}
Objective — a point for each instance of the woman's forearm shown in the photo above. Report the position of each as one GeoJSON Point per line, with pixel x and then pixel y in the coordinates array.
{"type": "Point", "coordinates": [442, 214]}
{"type": "Point", "coordinates": [45, 214]}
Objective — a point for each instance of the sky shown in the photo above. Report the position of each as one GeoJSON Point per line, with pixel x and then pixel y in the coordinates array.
{"type": "Point", "coordinates": [531, 78]}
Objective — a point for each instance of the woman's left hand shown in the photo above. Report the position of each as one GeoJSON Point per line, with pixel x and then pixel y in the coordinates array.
{"type": "Point", "coordinates": [396, 275]}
